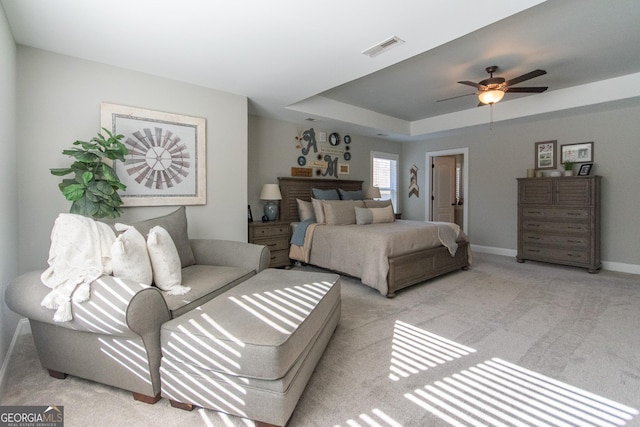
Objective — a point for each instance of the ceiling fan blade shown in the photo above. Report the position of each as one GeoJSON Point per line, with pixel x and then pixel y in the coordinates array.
{"type": "Point", "coordinates": [526, 89]}
{"type": "Point", "coordinates": [476, 85]}
{"type": "Point", "coordinates": [455, 97]}
{"type": "Point", "coordinates": [529, 75]}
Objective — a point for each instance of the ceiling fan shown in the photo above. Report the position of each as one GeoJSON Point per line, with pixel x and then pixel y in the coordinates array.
{"type": "Point", "coordinates": [492, 90]}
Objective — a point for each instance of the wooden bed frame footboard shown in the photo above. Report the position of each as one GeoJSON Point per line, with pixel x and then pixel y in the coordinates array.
{"type": "Point", "coordinates": [409, 269]}
{"type": "Point", "coordinates": [404, 270]}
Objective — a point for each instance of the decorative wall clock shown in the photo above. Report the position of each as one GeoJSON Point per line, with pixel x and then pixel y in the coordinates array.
{"type": "Point", "coordinates": [347, 139]}
{"type": "Point", "coordinates": [347, 156]}
{"type": "Point", "coordinates": [302, 161]}
{"type": "Point", "coordinates": [334, 139]}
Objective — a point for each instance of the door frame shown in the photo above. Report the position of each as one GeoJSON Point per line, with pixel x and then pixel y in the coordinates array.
{"type": "Point", "coordinates": [465, 180]}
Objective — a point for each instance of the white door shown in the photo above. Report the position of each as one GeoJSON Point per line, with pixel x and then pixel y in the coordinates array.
{"type": "Point", "coordinates": [444, 188]}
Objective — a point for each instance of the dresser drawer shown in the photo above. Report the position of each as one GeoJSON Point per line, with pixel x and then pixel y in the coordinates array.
{"type": "Point", "coordinates": [274, 244]}
{"type": "Point", "coordinates": [555, 227]}
{"type": "Point", "coordinates": [270, 230]}
{"type": "Point", "coordinates": [279, 259]}
{"type": "Point", "coordinates": [556, 240]}
{"type": "Point", "coordinates": [555, 254]}
{"type": "Point", "coordinates": [562, 214]}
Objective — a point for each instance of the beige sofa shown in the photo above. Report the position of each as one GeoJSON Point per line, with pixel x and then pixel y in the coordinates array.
{"type": "Point", "coordinates": [114, 338]}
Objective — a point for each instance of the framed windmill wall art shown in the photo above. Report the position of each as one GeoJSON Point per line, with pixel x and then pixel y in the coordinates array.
{"type": "Point", "coordinates": [166, 163]}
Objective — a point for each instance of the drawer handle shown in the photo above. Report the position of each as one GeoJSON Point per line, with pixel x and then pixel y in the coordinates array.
{"type": "Point", "coordinates": [573, 255]}
{"type": "Point", "coordinates": [271, 244]}
{"type": "Point", "coordinates": [533, 238]}
{"type": "Point", "coordinates": [533, 225]}
{"type": "Point", "coordinates": [573, 213]}
{"type": "Point", "coordinates": [534, 250]}
{"type": "Point", "coordinates": [533, 212]}
{"type": "Point", "coordinates": [574, 228]}
{"type": "Point", "coordinates": [574, 241]}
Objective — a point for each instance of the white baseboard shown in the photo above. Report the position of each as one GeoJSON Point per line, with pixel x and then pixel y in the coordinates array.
{"type": "Point", "coordinates": [620, 267]}
{"type": "Point", "coordinates": [493, 250]}
{"type": "Point", "coordinates": [23, 328]}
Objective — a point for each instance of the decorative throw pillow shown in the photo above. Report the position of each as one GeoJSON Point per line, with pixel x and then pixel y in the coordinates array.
{"type": "Point", "coordinates": [165, 262]}
{"type": "Point", "coordinates": [325, 194]}
{"type": "Point", "coordinates": [374, 215]}
{"type": "Point", "coordinates": [350, 195]}
{"type": "Point", "coordinates": [176, 225]}
{"type": "Point", "coordinates": [129, 256]}
{"type": "Point", "coordinates": [340, 212]}
{"type": "Point", "coordinates": [377, 203]}
{"type": "Point", "coordinates": [318, 210]}
{"type": "Point", "coordinates": [305, 210]}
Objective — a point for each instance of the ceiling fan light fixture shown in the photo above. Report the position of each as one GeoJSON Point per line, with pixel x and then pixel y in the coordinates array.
{"type": "Point", "coordinates": [490, 96]}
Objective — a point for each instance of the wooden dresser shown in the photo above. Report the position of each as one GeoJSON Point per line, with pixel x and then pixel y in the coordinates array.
{"type": "Point", "coordinates": [559, 220]}
{"type": "Point", "coordinates": [275, 235]}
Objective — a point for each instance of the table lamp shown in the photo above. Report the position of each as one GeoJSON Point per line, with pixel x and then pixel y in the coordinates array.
{"type": "Point", "coordinates": [271, 194]}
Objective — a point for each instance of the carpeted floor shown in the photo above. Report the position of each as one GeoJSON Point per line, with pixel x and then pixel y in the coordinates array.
{"type": "Point", "coordinates": [501, 344]}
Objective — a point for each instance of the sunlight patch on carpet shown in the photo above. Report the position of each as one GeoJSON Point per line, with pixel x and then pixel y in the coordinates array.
{"type": "Point", "coordinates": [503, 394]}
{"type": "Point", "coordinates": [414, 350]}
{"type": "Point", "coordinates": [377, 418]}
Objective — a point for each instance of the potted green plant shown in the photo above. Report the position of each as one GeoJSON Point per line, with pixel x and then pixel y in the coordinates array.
{"type": "Point", "coordinates": [568, 167]}
{"type": "Point", "coordinates": [94, 188]}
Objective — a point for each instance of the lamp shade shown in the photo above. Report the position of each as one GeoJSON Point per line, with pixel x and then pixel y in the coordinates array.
{"type": "Point", "coordinates": [490, 96]}
{"type": "Point", "coordinates": [270, 192]}
{"type": "Point", "coordinates": [372, 193]}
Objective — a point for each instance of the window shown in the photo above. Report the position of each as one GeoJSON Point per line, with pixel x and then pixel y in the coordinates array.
{"type": "Point", "coordinates": [384, 175]}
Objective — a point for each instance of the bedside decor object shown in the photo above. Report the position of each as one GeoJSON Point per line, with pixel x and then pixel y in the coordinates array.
{"type": "Point", "coordinates": [93, 190]}
{"type": "Point", "coordinates": [585, 169]}
{"type": "Point", "coordinates": [372, 193]}
{"type": "Point", "coordinates": [577, 153]}
{"type": "Point", "coordinates": [166, 160]}
{"type": "Point", "coordinates": [271, 194]}
{"type": "Point", "coordinates": [546, 155]}
{"type": "Point", "coordinates": [568, 168]}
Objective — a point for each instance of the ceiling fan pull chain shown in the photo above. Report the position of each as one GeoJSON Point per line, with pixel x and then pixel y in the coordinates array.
{"type": "Point", "coordinates": [491, 114]}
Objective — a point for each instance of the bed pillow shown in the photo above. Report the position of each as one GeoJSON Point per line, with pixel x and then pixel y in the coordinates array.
{"type": "Point", "coordinates": [165, 262]}
{"type": "Point", "coordinates": [378, 203]}
{"type": "Point", "coordinates": [325, 194]}
{"type": "Point", "coordinates": [350, 195]}
{"type": "Point", "coordinates": [305, 210]}
{"type": "Point", "coordinates": [318, 210]}
{"type": "Point", "coordinates": [374, 215]}
{"type": "Point", "coordinates": [340, 212]}
{"type": "Point", "coordinates": [129, 256]}
{"type": "Point", "coordinates": [176, 224]}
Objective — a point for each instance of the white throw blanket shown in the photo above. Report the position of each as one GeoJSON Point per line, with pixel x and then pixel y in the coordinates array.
{"type": "Point", "coordinates": [80, 252]}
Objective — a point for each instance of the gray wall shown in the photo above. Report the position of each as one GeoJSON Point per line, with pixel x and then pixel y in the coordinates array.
{"type": "Point", "coordinates": [273, 152]}
{"type": "Point", "coordinates": [8, 181]}
{"type": "Point", "coordinates": [497, 157]}
{"type": "Point", "coordinates": [59, 102]}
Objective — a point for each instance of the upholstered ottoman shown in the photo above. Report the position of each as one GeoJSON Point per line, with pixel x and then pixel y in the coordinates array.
{"type": "Point", "coordinates": [251, 351]}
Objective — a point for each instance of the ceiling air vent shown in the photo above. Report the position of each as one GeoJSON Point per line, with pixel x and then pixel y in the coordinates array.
{"type": "Point", "coordinates": [383, 46]}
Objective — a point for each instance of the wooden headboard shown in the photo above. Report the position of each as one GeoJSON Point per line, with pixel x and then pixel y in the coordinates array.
{"type": "Point", "coordinates": [300, 188]}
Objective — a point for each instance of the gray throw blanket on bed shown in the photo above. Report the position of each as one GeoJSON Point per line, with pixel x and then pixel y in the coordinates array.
{"type": "Point", "coordinates": [297, 238]}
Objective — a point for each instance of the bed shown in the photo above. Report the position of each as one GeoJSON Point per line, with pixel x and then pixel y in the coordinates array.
{"type": "Point", "coordinates": [417, 253]}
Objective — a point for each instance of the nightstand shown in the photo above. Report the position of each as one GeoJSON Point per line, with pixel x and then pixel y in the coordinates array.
{"type": "Point", "coordinates": [275, 235]}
